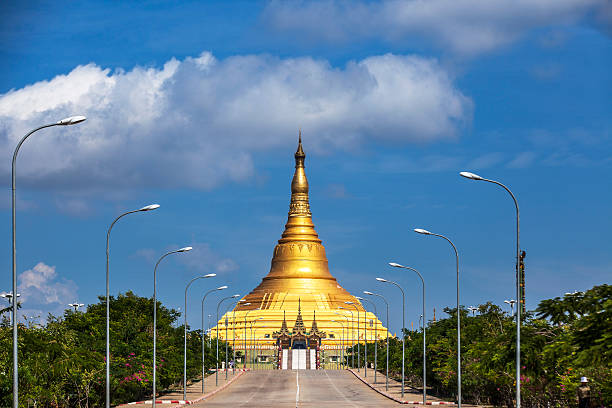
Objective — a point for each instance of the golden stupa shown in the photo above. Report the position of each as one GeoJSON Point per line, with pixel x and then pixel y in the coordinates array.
{"type": "Point", "coordinates": [299, 280]}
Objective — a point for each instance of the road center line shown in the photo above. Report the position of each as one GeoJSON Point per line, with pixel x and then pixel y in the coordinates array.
{"type": "Point", "coordinates": [297, 393]}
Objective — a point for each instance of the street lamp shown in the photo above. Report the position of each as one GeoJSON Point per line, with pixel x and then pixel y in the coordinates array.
{"type": "Point", "coordinates": [403, 328]}
{"type": "Point", "coordinates": [185, 249]}
{"type": "Point", "coordinates": [375, 340]}
{"type": "Point", "coordinates": [150, 207]}
{"type": "Point", "coordinates": [73, 120]}
{"type": "Point", "coordinates": [76, 305]}
{"type": "Point", "coordinates": [253, 342]}
{"type": "Point", "coordinates": [352, 335]}
{"type": "Point", "coordinates": [234, 334]}
{"type": "Point", "coordinates": [210, 275]}
{"type": "Point", "coordinates": [425, 232]}
{"type": "Point", "coordinates": [511, 302]}
{"type": "Point", "coordinates": [9, 297]}
{"type": "Point", "coordinates": [358, 334]}
{"type": "Point", "coordinates": [383, 298]}
{"type": "Point", "coordinates": [341, 340]}
{"type": "Point", "coordinates": [345, 337]}
{"type": "Point", "coordinates": [519, 297]}
{"type": "Point", "coordinates": [245, 336]}
{"type": "Point", "coordinates": [209, 316]}
{"type": "Point", "coordinates": [217, 326]}
{"type": "Point", "coordinates": [396, 265]}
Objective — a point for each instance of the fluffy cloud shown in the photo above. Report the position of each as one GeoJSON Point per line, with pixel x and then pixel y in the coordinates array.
{"type": "Point", "coordinates": [42, 293]}
{"type": "Point", "coordinates": [196, 123]}
{"type": "Point", "coordinates": [465, 27]}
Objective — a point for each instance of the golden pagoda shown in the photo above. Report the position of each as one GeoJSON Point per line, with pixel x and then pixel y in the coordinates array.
{"type": "Point", "coordinates": [299, 284]}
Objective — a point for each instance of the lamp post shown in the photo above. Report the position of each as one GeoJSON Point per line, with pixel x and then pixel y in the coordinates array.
{"type": "Point", "coordinates": [386, 303]}
{"type": "Point", "coordinates": [519, 297]}
{"type": "Point", "coordinates": [341, 340]}
{"type": "Point", "coordinates": [403, 327]}
{"type": "Point", "coordinates": [425, 232]}
{"type": "Point", "coordinates": [511, 302]}
{"type": "Point", "coordinates": [345, 337]}
{"type": "Point", "coordinates": [209, 316]}
{"type": "Point", "coordinates": [217, 326]}
{"type": "Point", "coordinates": [73, 120]}
{"type": "Point", "coordinates": [352, 335]}
{"type": "Point", "coordinates": [375, 339]}
{"type": "Point", "coordinates": [358, 335]}
{"type": "Point", "coordinates": [234, 334]}
{"type": "Point", "coordinates": [396, 265]}
{"type": "Point", "coordinates": [9, 297]}
{"type": "Point", "coordinates": [150, 207]}
{"type": "Point", "coordinates": [185, 335]}
{"type": "Point", "coordinates": [245, 335]}
{"type": "Point", "coordinates": [185, 249]}
{"type": "Point", "coordinates": [75, 305]}
{"type": "Point", "coordinates": [253, 342]}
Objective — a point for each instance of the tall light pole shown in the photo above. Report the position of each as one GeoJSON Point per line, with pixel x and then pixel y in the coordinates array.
{"type": "Point", "coordinates": [245, 335]}
{"type": "Point", "coordinates": [253, 342]}
{"type": "Point", "coordinates": [375, 338]}
{"type": "Point", "coordinates": [9, 297]}
{"type": "Point", "coordinates": [76, 305]}
{"type": "Point", "coordinates": [73, 120]}
{"type": "Point", "coordinates": [519, 297]}
{"type": "Point", "coordinates": [203, 355]}
{"type": "Point", "coordinates": [150, 207]}
{"type": "Point", "coordinates": [217, 326]}
{"type": "Point", "coordinates": [403, 327]}
{"type": "Point", "coordinates": [396, 265]}
{"type": "Point", "coordinates": [358, 334]}
{"type": "Point", "coordinates": [234, 333]}
{"type": "Point", "coordinates": [185, 249]}
{"type": "Point", "coordinates": [341, 340]}
{"type": "Point", "coordinates": [345, 337]}
{"type": "Point", "coordinates": [352, 335]}
{"type": "Point", "coordinates": [425, 232]}
{"type": "Point", "coordinates": [511, 302]}
{"type": "Point", "coordinates": [386, 303]}
{"type": "Point", "coordinates": [185, 335]}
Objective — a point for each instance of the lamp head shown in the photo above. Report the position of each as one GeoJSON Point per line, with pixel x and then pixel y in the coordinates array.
{"type": "Point", "coordinates": [349, 303]}
{"type": "Point", "coordinates": [235, 296]}
{"type": "Point", "coordinates": [222, 287]}
{"type": "Point", "coordinates": [210, 275]}
{"type": "Point", "coordinates": [471, 176]}
{"type": "Point", "coordinates": [358, 297]}
{"type": "Point", "coordinates": [422, 231]}
{"type": "Point", "coordinates": [367, 292]}
{"type": "Point", "coordinates": [185, 249]}
{"type": "Point", "coordinates": [381, 280]}
{"type": "Point", "coordinates": [395, 265]}
{"type": "Point", "coordinates": [73, 120]}
{"type": "Point", "coordinates": [149, 207]}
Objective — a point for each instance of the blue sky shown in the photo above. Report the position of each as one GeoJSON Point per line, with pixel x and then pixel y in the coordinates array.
{"type": "Point", "coordinates": [196, 106]}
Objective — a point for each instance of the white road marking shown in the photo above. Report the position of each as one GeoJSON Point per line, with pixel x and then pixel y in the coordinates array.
{"type": "Point", "coordinates": [297, 393]}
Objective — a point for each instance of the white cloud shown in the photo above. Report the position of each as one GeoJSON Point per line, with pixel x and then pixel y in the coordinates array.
{"type": "Point", "coordinates": [196, 123]}
{"type": "Point", "coordinates": [42, 293]}
{"type": "Point", "coordinates": [465, 26]}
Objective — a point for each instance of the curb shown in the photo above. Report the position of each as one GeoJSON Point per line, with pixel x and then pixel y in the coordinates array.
{"type": "Point", "coordinates": [397, 399]}
{"type": "Point", "coordinates": [188, 402]}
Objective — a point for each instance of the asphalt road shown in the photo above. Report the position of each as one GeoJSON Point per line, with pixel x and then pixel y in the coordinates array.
{"type": "Point", "coordinates": [297, 388]}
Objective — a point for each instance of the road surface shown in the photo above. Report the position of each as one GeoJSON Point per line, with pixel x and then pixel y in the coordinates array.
{"type": "Point", "coordinates": [297, 388]}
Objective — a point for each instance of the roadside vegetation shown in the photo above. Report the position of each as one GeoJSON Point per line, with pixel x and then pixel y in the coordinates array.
{"type": "Point", "coordinates": [62, 364]}
{"type": "Point", "coordinates": [562, 340]}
